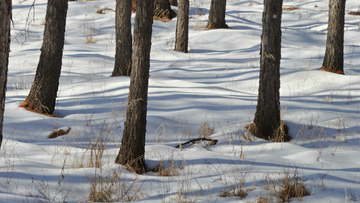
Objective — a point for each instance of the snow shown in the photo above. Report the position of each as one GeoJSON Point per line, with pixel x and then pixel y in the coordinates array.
{"type": "Point", "coordinates": [216, 82]}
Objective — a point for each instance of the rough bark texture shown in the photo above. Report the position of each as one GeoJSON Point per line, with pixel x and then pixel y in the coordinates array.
{"type": "Point", "coordinates": [163, 11]}
{"type": "Point", "coordinates": [43, 91]}
{"type": "Point", "coordinates": [5, 16]}
{"type": "Point", "coordinates": [217, 15]}
{"type": "Point", "coordinates": [173, 2]}
{"type": "Point", "coordinates": [334, 61]}
{"type": "Point", "coordinates": [132, 148]}
{"type": "Point", "coordinates": [123, 51]}
{"type": "Point", "coordinates": [267, 117]}
{"type": "Point", "coordinates": [182, 27]}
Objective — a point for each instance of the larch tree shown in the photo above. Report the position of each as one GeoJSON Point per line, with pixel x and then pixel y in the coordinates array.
{"type": "Point", "coordinates": [44, 89]}
{"type": "Point", "coordinates": [267, 122]}
{"type": "Point", "coordinates": [334, 53]}
{"type": "Point", "coordinates": [123, 51]}
{"type": "Point", "coordinates": [132, 149]}
{"type": "Point", "coordinates": [217, 15]}
{"type": "Point", "coordinates": [182, 27]}
{"type": "Point", "coordinates": [5, 17]}
{"type": "Point", "coordinates": [173, 2]}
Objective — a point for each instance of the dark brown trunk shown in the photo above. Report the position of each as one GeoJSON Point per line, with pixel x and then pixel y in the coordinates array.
{"type": "Point", "coordinates": [182, 27]}
{"type": "Point", "coordinates": [5, 16]}
{"type": "Point", "coordinates": [43, 91]}
{"type": "Point", "coordinates": [334, 53]}
{"type": "Point", "coordinates": [123, 52]}
{"type": "Point", "coordinates": [173, 2]}
{"type": "Point", "coordinates": [217, 15]}
{"type": "Point", "coordinates": [267, 117]}
{"type": "Point", "coordinates": [163, 11]}
{"type": "Point", "coordinates": [132, 150]}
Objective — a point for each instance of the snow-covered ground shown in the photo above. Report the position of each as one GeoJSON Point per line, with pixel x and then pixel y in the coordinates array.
{"type": "Point", "coordinates": [216, 82]}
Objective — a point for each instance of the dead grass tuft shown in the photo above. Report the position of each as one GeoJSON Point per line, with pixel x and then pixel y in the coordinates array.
{"type": "Point", "coordinates": [280, 134]}
{"type": "Point", "coordinates": [205, 130]}
{"type": "Point", "coordinates": [291, 187]}
{"type": "Point", "coordinates": [172, 170]}
{"type": "Point", "coordinates": [233, 191]}
{"type": "Point", "coordinates": [102, 10]}
{"type": "Point", "coordinates": [290, 8]}
{"type": "Point", "coordinates": [26, 105]}
{"type": "Point", "coordinates": [356, 13]}
{"type": "Point", "coordinates": [112, 188]}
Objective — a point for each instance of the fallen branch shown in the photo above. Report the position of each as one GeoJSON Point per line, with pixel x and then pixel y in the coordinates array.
{"type": "Point", "coordinates": [212, 141]}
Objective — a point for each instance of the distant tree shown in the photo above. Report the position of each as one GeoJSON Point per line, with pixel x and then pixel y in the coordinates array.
{"type": "Point", "coordinates": [43, 91]}
{"type": "Point", "coordinates": [334, 53]}
{"type": "Point", "coordinates": [5, 17]}
{"type": "Point", "coordinates": [132, 148]}
{"type": "Point", "coordinates": [267, 123]}
{"type": "Point", "coordinates": [217, 15]}
{"type": "Point", "coordinates": [163, 11]}
{"type": "Point", "coordinates": [182, 27]}
{"type": "Point", "coordinates": [123, 51]}
{"type": "Point", "coordinates": [173, 2]}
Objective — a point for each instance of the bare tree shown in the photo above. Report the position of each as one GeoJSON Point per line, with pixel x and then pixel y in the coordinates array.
{"type": "Point", "coordinates": [217, 15]}
{"type": "Point", "coordinates": [132, 148]}
{"type": "Point", "coordinates": [182, 27]}
{"type": "Point", "coordinates": [334, 53]}
{"type": "Point", "coordinates": [5, 17]}
{"type": "Point", "coordinates": [267, 123]}
{"type": "Point", "coordinates": [43, 91]}
{"type": "Point", "coordinates": [173, 2]}
{"type": "Point", "coordinates": [123, 51]}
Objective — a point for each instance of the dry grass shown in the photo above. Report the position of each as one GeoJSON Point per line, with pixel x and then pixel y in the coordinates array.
{"type": "Point", "coordinates": [205, 130]}
{"type": "Point", "coordinates": [172, 170]}
{"type": "Point", "coordinates": [279, 135]}
{"type": "Point", "coordinates": [290, 187]}
{"type": "Point", "coordinates": [112, 188]}
{"type": "Point", "coordinates": [354, 13]}
{"type": "Point", "coordinates": [233, 191]}
{"type": "Point", "coordinates": [102, 10]}
{"type": "Point", "coordinates": [290, 8]}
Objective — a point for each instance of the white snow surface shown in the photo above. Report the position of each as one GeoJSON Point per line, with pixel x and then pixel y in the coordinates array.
{"type": "Point", "coordinates": [216, 82]}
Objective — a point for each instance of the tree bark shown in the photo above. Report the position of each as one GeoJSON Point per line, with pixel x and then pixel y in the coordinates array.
{"type": "Point", "coordinates": [182, 27]}
{"type": "Point", "coordinates": [267, 117]}
{"type": "Point", "coordinates": [122, 66]}
{"type": "Point", "coordinates": [173, 2]}
{"type": "Point", "coordinates": [217, 15]}
{"type": "Point", "coordinates": [43, 91]}
{"type": "Point", "coordinates": [5, 17]}
{"type": "Point", "coordinates": [334, 53]}
{"type": "Point", "coordinates": [132, 150]}
{"type": "Point", "coordinates": [163, 11]}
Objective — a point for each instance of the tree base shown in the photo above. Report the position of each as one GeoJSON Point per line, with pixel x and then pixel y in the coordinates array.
{"type": "Point", "coordinates": [164, 15]}
{"type": "Point", "coordinates": [280, 134]}
{"type": "Point", "coordinates": [333, 70]}
{"type": "Point", "coordinates": [212, 27]}
{"type": "Point", "coordinates": [26, 105]}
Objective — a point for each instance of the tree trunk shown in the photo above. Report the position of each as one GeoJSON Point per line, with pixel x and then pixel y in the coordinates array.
{"type": "Point", "coordinates": [267, 117]}
{"type": "Point", "coordinates": [173, 2]}
{"type": "Point", "coordinates": [217, 15]}
{"type": "Point", "coordinates": [182, 27]}
{"type": "Point", "coordinates": [5, 16]}
{"type": "Point", "coordinates": [334, 54]}
{"type": "Point", "coordinates": [132, 150]}
{"type": "Point", "coordinates": [163, 11]}
{"type": "Point", "coordinates": [43, 91]}
{"type": "Point", "coordinates": [123, 53]}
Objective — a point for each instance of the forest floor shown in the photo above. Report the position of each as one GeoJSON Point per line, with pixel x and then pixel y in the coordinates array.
{"type": "Point", "coordinates": [215, 86]}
